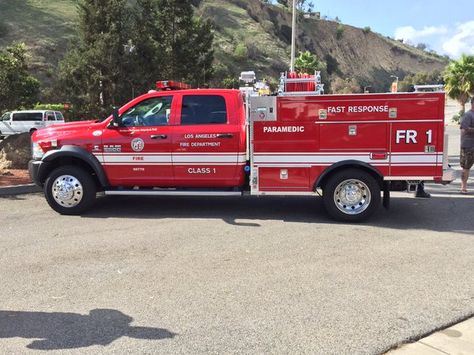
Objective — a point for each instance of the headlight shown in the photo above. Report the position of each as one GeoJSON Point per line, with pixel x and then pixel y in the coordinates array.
{"type": "Point", "coordinates": [37, 151]}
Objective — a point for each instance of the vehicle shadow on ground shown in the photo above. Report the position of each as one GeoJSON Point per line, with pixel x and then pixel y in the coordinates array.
{"type": "Point", "coordinates": [13, 197]}
{"type": "Point", "coordinates": [447, 210]}
{"type": "Point", "coordinates": [59, 330]}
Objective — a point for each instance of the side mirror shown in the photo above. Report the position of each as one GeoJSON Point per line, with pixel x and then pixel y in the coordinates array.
{"type": "Point", "coordinates": [116, 117]}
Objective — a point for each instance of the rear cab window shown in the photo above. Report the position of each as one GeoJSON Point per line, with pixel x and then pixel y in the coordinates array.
{"type": "Point", "coordinates": [203, 109]}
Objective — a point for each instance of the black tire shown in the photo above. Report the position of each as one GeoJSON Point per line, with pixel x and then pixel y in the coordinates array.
{"type": "Point", "coordinates": [83, 192]}
{"type": "Point", "coordinates": [351, 195]}
{"type": "Point", "coordinates": [33, 130]}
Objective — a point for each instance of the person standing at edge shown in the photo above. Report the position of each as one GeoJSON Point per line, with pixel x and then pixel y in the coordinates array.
{"type": "Point", "coordinates": [420, 191]}
{"type": "Point", "coordinates": [467, 146]}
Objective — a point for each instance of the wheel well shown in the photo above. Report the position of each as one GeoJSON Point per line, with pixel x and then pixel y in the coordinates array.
{"type": "Point", "coordinates": [63, 161]}
{"type": "Point", "coordinates": [321, 182]}
{"type": "Point", "coordinates": [33, 130]}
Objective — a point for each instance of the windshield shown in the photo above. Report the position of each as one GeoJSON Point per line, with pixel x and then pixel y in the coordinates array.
{"type": "Point", "coordinates": [153, 111]}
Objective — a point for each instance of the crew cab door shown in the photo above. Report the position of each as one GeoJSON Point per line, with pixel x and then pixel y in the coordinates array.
{"type": "Point", "coordinates": [138, 153]}
{"type": "Point", "coordinates": [206, 142]}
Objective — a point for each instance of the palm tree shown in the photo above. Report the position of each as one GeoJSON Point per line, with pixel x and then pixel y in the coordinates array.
{"type": "Point", "coordinates": [459, 79]}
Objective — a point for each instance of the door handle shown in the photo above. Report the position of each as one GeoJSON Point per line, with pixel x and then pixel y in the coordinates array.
{"type": "Point", "coordinates": [225, 135]}
{"type": "Point", "coordinates": [158, 136]}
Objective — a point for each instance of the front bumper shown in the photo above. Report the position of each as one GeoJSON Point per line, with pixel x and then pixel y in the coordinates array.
{"type": "Point", "coordinates": [34, 168]}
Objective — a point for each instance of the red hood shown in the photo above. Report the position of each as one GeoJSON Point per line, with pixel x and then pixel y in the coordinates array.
{"type": "Point", "coordinates": [61, 130]}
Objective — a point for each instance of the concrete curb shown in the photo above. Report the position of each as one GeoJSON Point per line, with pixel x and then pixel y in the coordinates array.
{"type": "Point", "coordinates": [456, 339]}
{"type": "Point", "coordinates": [19, 189]}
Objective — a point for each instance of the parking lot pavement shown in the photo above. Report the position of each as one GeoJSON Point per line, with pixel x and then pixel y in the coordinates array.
{"type": "Point", "coordinates": [232, 275]}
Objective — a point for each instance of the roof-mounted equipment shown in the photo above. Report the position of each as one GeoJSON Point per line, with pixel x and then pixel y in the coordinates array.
{"type": "Point", "coordinates": [292, 84]}
{"type": "Point", "coordinates": [171, 85]}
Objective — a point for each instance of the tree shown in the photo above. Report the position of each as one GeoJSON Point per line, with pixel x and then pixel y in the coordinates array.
{"type": "Point", "coordinates": [186, 42]}
{"type": "Point", "coordinates": [301, 5]}
{"type": "Point", "coordinates": [93, 73]}
{"type": "Point", "coordinates": [459, 79]}
{"type": "Point", "coordinates": [17, 87]}
{"type": "Point", "coordinates": [308, 63]}
{"type": "Point", "coordinates": [125, 47]}
{"type": "Point", "coordinates": [422, 46]}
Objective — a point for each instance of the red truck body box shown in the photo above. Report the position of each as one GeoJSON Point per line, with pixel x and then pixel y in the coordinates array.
{"type": "Point", "coordinates": [400, 135]}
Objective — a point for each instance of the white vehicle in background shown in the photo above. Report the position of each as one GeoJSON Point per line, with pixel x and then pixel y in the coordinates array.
{"type": "Point", "coordinates": [16, 122]}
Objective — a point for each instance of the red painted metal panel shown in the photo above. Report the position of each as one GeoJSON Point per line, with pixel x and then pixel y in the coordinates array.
{"type": "Point", "coordinates": [297, 178]}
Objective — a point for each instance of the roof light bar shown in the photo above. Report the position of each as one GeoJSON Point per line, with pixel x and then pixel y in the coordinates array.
{"type": "Point", "coordinates": [171, 85]}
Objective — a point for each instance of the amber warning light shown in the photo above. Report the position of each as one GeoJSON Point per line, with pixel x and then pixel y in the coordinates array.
{"type": "Point", "coordinates": [171, 85]}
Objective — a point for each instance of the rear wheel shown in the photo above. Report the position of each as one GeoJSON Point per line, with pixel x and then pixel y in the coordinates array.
{"type": "Point", "coordinates": [351, 195]}
{"type": "Point", "coordinates": [70, 190]}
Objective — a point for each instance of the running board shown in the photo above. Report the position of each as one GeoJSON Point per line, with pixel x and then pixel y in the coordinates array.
{"type": "Point", "coordinates": [171, 193]}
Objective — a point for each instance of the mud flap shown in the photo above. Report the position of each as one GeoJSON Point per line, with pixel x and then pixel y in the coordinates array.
{"type": "Point", "coordinates": [386, 195]}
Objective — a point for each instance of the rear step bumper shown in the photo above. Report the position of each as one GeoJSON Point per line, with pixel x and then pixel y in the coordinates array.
{"type": "Point", "coordinates": [449, 175]}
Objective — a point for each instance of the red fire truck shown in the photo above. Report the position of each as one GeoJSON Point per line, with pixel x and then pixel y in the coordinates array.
{"type": "Point", "coordinates": [351, 149]}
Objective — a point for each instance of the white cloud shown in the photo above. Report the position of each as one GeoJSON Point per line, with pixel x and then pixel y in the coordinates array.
{"type": "Point", "coordinates": [409, 33]}
{"type": "Point", "coordinates": [462, 41]}
{"type": "Point", "coordinates": [453, 41]}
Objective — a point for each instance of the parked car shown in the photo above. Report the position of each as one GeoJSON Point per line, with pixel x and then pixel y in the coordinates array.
{"type": "Point", "coordinates": [16, 122]}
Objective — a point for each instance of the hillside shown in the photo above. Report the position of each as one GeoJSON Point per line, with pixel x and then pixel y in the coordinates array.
{"type": "Point", "coordinates": [262, 32]}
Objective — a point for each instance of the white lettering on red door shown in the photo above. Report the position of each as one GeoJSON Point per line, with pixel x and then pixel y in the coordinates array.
{"type": "Point", "coordinates": [283, 129]}
{"type": "Point", "coordinates": [408, 136]}
{"type": "Point", "coordinates": [201, 170]}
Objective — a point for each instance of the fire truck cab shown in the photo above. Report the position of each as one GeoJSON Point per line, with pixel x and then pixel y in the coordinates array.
{"type": "Point", "coordinates": [223, 142]}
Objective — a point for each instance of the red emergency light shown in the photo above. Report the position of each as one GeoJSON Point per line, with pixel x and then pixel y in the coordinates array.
{"type": "Point", "coordinates": [171, 85]}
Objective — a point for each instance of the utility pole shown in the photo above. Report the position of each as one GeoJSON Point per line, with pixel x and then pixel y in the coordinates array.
{"type": "Point", "coordinates": [293, 38]}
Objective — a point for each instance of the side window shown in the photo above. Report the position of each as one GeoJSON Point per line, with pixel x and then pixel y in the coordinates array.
{"type": "Point", "coordinates": [27, 116]}
{"type": "Point", "coordinates": [203, 109]}
{"type": "Point", "coordinates": [5, 117]}
{"type": "Point", "coordinates": [59, 116]}
{"type": "Point", "coordinates": [155, 111]}
{"type": "Point", "coordinates": [50, 116]}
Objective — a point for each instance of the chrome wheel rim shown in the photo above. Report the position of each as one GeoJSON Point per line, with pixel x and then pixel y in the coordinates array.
{"type": "Point", "coordinates": [67, 191]}
{"type": "Point", "coordinates": [352, 196]}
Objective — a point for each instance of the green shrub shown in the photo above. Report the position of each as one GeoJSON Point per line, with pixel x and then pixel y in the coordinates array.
{"type": "Point", "coordinates": [339, 31]}
{"type": "Point", "coordinates": [267, 26]}
{"type": "Point", "coordinates": [230, 83]}
{"type": "Point", "coordinates": [366, 29]}
{"type": "Point", "coordinates": [241, 51]}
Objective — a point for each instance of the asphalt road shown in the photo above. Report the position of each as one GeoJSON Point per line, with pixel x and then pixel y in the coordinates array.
{"type": "Point", "coordinates": [232, 275]}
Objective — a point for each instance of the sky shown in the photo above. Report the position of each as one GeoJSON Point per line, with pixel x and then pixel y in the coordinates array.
{"type": "Point", "coordinates": [446, 26]}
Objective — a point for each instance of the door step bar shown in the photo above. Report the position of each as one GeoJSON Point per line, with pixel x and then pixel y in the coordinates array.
{"type": "Point", "coordinates": [163, 192]}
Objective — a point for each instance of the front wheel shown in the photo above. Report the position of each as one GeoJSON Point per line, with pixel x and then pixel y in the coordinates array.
{"type": "Point", "coordinates": [351, 195]}
{"type": "Point", "coordinates": [70, 190]}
